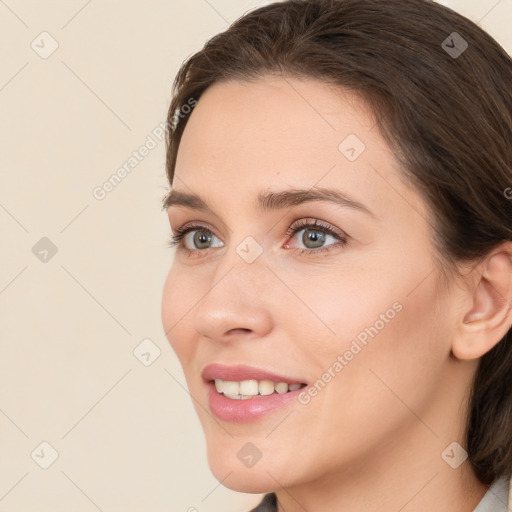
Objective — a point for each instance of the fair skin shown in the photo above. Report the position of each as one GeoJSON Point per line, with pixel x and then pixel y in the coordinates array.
{"type": "Point", "coordinates": [372, 439]}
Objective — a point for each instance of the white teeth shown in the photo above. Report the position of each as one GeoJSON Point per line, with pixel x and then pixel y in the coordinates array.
{"type": "Point", "coordinates": [250, 388]}
{"type": "Point", "coordinates": [266, 387]}
{"type": "Point", "coordinates": [239, 397]}
{"type": "Point", "coordinates": [282, 387]}
{"type": "Point", "coordinates": [218, 385]}
{"type": "Point", "coordinates": [230, 388]}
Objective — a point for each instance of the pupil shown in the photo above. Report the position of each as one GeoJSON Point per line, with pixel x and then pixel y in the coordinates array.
{"type": "Point", "coordinates": [201, 239]}
{"type": "Point", "coordinates": [317, 238]}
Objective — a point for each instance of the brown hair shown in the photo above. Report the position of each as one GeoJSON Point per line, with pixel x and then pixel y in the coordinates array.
{"type": "Point", "coordinates": [444, 109]}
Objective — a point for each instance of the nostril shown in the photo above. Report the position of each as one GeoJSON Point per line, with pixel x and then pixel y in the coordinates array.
{"type": "Point", "coordinates": [238, 329]}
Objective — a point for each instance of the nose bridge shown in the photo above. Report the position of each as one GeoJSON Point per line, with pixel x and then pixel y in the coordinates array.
{"type": "Point", "coordinates": [245, 263]}
{"type": "Point", "coordinates": [235, 299]}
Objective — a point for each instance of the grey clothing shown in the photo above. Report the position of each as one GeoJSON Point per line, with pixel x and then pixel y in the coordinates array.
{"type": "Point", "coordinates": [496, 498]}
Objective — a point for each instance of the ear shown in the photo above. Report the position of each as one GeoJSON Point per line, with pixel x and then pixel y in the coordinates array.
{"type": "Point", "coordinates": [487, 313]}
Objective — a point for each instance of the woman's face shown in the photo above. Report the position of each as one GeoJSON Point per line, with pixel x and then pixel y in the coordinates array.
{"type": "Point", "coordinates": [349, 307]}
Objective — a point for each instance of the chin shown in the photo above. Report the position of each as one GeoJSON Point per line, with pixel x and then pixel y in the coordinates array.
{"type": "Point", "coordinates": [248, 481]}
{"type": "Point", "coordinates": [259, 476]}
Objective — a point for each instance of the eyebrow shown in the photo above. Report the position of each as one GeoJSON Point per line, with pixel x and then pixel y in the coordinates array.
{"type": "Point", "coordinates": [268, 201]}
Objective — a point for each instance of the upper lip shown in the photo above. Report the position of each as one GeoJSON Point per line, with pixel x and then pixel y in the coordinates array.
{"type": "Point", "coordinates": [242, 372]}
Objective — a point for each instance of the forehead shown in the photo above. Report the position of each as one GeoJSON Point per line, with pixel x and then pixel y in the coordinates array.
{"type": "Point", "coordinates": [278, 114]}
{"type": "Point", "coordinates": [280, 131]}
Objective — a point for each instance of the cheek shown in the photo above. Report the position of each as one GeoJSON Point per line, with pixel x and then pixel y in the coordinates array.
{"type": "Point", "coordinates": [387, 358]}
{"type": "Point", "coordinates": [370, 336]}
{"type": "Point", "coordinates": [331, 306]}
{"type": "Point", "coordinates": [178, 299]}
{"type": "Point", "coordinates": [366, 296]}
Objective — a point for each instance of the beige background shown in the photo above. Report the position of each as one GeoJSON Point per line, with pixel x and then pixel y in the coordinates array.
{"type": "Point", "coordinates": [125, 432]}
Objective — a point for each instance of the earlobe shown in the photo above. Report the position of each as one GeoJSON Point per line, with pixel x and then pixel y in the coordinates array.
{"type": "Point", "coordinates": [489, 317]}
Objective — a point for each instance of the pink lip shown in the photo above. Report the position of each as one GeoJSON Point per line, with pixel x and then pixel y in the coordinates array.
{"type": "Point", "coordinates": [243, 372]}
{"type": "Point", "coordinates": [244, 411]}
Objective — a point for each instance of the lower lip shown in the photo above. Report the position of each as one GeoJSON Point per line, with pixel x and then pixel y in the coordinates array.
{"type": "Point", "coordinates": [243, 411]}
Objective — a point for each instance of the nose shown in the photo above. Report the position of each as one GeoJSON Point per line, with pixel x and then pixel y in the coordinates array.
{"type": "Point", "coordinates": [236, 304]}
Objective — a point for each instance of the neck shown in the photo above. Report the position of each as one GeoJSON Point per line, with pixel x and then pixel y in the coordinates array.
{"type": "Point", "coordinates": [404, 473]}
{"type": "Point", "coordinates": [409, 482]}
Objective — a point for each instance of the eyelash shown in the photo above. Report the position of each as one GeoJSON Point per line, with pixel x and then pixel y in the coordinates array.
{"type": "Point", "coordinates": [177, 237]}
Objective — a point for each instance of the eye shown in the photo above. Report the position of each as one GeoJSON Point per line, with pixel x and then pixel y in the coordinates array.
{"type": "Point", "coordinates": [194, 238]}
{"type": "Point", "coordinates": [315, 236]}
